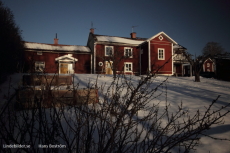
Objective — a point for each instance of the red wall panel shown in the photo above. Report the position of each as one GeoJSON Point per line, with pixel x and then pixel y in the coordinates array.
{"type": "Point", "coordinates": [83, 65]}
{"type": "Point", "coordinates": [117, 58]}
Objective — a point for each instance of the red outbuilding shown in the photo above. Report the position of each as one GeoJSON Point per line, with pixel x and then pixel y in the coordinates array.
{"type": "Point", "coordinates": [209, 65]}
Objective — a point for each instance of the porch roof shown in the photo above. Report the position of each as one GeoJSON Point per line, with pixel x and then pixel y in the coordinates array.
{"type": "Point", "coordinates": [66, 58]}
{"type": "Point", "coordinates": [177, 46]}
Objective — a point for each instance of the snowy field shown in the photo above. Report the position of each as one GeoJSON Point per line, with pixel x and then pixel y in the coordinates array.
{"type": "Point", "coordinates": [194, 95]}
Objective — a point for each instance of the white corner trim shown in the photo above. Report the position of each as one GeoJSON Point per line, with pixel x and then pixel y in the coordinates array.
{"type": "Point", "coordinates": [172, 58]}
{"type": "Point", "coordinates": [94, 60]}
{"type": "Point", "coordinates": [149, 55]}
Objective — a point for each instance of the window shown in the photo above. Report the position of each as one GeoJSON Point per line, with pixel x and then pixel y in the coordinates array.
{"type": "Point", "coordinates": [128, 67]}
{"type": "Point", "coordinates": [128, 52]}
{"type": "Point", "coordinates": [108, 50]}
{"type": "Point", "coordinates": [208, 64]}
{"type": "Point", "coordinates": [66, 68]}
{"type": "Point", "coordinates": [39, 66]}
{"type": "Point", "coordinates": [161, 54]}
{"type": "Point", "coordinates": [39, 53]}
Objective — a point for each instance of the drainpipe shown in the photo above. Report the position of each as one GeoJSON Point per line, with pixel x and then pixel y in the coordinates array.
{"type": "Point", "coordinates": [91, 63]}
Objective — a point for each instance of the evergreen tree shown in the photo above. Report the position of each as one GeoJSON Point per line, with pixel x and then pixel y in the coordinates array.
{"type": "Point", "coordinates": [12, 47]}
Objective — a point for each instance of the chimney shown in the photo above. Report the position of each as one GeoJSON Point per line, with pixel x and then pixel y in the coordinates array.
{"type": "Point", "coordinates": [56, 40]}
{"type": "Point", "coordinates": [133, 35]}
{"type": "Point", "coordinates": [92, 30]}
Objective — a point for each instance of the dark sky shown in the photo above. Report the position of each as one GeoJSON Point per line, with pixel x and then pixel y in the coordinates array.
{"type": "Point", "coordinates": [190, 23]}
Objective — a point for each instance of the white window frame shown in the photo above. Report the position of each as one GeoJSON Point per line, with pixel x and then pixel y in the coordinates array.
{"type": "Point", "coordinates": [70, 66]}
{"type": "Point", "coordinates": [163, 56]}
{"type": "Point", "coordinates": [106, 52]}
{"type": "Point", "coordinates": [208, 64]}
{"type": "Point", "coordinates": [39, 53]}
{"type": "Point", "coordinates": [131, 64]}
{"type": "Point", "coordinates": [131, 52]}
{"type": "Point", "coordinates": [40, 65]}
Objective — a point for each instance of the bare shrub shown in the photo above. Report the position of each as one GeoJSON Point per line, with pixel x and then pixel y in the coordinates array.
{"type": "Point", "coordinates": [127, 118]}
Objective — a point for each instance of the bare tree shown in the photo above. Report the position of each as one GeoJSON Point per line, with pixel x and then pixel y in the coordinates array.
{"type": "Point", "coordinates": [197, 63]}
{"type": "Point", "coordinates": [209, 51]}
{"type": "Point", "coordinates": [212, 48]}
{"type": "Point", "coordinates": [127, 119]}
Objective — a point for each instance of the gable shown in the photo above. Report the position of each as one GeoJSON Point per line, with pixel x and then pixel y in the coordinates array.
{"type": "Point", "coordinates": [66, 58]}
{"type": "Point", "coordinates": [208, 61]}
{"type": "Point", "coordinates": [161, 36]}
{"type": "Point", "coordinates": [161, 39]}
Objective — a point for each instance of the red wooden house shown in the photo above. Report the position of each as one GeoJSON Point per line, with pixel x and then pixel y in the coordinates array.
{"type": "Point", "coordinates": [57, 58]}
{"type": "Point", "coordinates": [158, 53]}
{"type": "Point", "coordinates": [107, 54]}
{"type": "Point", "coordinates": [134, 55]}
{"type": "Point", "coordinates": [114, 53]}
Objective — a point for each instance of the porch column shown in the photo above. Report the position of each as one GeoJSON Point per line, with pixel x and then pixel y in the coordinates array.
{"type": "Point", "coordinates": [182, 72]}
{"type": "Point", "coordinates": [190, 70]}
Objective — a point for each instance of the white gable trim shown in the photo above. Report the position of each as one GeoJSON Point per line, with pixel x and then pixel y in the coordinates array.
{"type": "Point", "coordinates": [172, 58]}
{"type": "Point", "coordinates": [66, 58]}
{"type": "Point", "coordinates": [149, 49]}
{"type": "Point", "coordinates": [162, 33]}
{"type": "Point", "coordinates": [209, 59]}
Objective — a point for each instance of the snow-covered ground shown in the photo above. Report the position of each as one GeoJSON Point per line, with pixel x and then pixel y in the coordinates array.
{"type": "Point", "coordinates": [194, 95]}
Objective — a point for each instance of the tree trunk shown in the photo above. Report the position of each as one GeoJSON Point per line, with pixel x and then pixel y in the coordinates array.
{"type": "Point", "coordinates": [197, 77]}
{"type": "Point", "coordinates": [114, 73]}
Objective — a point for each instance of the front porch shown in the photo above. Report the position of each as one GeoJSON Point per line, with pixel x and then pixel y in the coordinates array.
{"type": "Point", "coordinates": [66, 64]}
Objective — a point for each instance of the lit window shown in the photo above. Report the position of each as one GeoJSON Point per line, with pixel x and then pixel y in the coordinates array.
{"type": "Point", "coordinates": [161, 55]}
{"type": "Point", "coordinates": [39, 66]}
{"type": "Point", "coordinates": [108, 50]}
{"type": "Point", "coordinates": [128, 67]}
{"type": "Point", "coordinates": [128, 52]}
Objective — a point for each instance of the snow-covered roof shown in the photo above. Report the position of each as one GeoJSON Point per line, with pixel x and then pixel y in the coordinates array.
{"type": "Point", "coordinates": [52, 47]}
{"type": "Point", "coordinates": [177, 46]}
{"type": "Point", "coordinates": [113, 39]}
